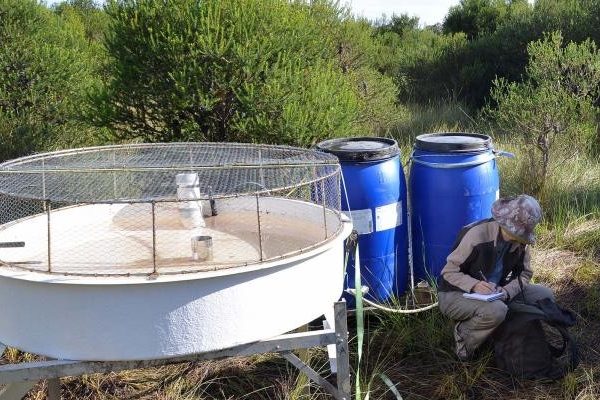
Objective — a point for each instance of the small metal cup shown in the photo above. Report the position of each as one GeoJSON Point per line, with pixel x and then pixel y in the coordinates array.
{"type": "Point", "coordinates": [202, 248]}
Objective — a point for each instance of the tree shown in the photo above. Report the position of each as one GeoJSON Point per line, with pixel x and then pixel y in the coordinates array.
{"type": "Point", "coordinates": [554, 106]}
{"type": "Point", "coordinates": [476, 17]}
{"type": "Point", "coordinates": [93, 18]}
{"type": "Point", "coordinates": [231, 70]}
{"type": "Point", "coordinates": [399, 24]}
{"type": "Point", "coordinates": [46, 70]}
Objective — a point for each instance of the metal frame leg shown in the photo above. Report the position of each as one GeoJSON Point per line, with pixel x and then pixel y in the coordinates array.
{"type": "Point", "coordinates": [329, 323]}
{"type": "Point", "coordinates": [16, 390]}
{"type": "Point", "coordinates": [340, 362]}
{"type": "Point", "coordinates": [54, 389]}
{"type": "Point", "coordinates": [342, 350]}
{"type": "Point", "coordinates": [311, 374]}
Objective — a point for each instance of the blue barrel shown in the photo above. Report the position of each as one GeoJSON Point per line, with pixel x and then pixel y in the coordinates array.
{"type": "Point", "coordinates": [376, 199]}
{"type": "Point", "coordinates": [453, 182]}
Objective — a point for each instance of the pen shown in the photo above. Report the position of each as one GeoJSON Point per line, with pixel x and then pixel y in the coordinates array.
{"type": "Point", "coordinates": [485, 280]}
{"type": "Point", "coordinates": [483, 276]}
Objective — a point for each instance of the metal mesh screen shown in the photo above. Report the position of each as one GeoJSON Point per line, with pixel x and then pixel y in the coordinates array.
{"type": "Point", "coordinates": [165, 208]}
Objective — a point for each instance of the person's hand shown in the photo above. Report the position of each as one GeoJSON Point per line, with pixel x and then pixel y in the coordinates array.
{"type": "Point", "coordinates": [504, 292]}
{"type": "Point", "coordinates": [483, 287]}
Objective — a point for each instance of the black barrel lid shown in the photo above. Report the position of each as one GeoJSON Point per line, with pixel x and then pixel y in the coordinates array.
{"type": "Point", "coordinates": [361, 148]}
{"type": "Point", "coordinates": [449, 142]}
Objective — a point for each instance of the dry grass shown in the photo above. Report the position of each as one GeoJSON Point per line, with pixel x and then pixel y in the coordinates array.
{"type": "Point", "coordinates": [260, 377]}
{"type": "Point", "coordinates": [555, 267]}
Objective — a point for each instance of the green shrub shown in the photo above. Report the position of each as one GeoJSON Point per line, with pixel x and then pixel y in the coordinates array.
{"type": "Point", "coordinates": [92, 17]}
{"type": "Point", "coordinates": [238, 70]}
{"type": "Point", "coordinates": [428, 65]}
{"type": "Point", "coordinates": [477, 17]}
{"type": "Point", "coordinates": [553, 107]}
{"type": "Point", "coordinates": [46, 70]}
{"type": "Point", "coordinates": [423, 63]}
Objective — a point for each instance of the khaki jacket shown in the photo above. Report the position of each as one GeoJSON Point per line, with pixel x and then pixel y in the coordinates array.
{"type": "Point", "coordinates": [475, 254]}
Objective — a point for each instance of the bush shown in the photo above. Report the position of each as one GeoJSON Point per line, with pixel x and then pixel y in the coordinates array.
{"type": "Point", "coordinates": [423, 63]}
{"type": "Point", "coordinates": [477, 17]}
{"type": "Point", "coordinates": [46, 70]}
{"type": "Point", "coordinates": [237, 70]}
{"type": "Point", "coordinates": [92, 17]}
{"type": "Point", "coordinates": [496, 35]}
{"type": "Point", "coordinates": [554, 106]}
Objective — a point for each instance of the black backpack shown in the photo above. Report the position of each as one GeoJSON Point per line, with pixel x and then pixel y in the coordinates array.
{"type": "Point", "coordinates": [523, 348]}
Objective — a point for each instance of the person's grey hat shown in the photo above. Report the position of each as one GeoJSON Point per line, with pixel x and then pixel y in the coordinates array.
{"type": "Point", "coordinates": [518, 215]}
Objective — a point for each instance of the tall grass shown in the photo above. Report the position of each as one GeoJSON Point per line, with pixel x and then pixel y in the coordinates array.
{"type": "Point", "coordinates": [572, 189]}
{"type": "Point", "coordinates": [444, 115]}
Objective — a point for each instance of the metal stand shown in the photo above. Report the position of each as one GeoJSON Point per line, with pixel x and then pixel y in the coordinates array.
{"type": "Point", "coordinates": [20, 378]}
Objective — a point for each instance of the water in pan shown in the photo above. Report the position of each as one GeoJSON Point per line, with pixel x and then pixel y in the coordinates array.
{"type": "Point", "coordinates": [117, 239]}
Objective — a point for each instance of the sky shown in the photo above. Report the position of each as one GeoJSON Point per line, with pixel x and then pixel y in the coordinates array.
{"type": "Point", "coordinates": [429, 11]}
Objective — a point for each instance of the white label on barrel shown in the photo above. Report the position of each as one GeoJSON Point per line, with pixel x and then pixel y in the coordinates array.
{"type": "Point", "coordinates": [388, 216]}
{"type": "Point", "coordinates": [362, 221]}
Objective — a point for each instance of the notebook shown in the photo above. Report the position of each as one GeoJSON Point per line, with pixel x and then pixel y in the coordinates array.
{"type": "Point", "coordinates": [484, 297]}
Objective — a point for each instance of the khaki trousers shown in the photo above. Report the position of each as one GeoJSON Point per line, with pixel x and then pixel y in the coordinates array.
{"type": "Point", "coordinates": [476, 320]}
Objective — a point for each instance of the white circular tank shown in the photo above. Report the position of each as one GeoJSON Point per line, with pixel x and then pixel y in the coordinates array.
{"type": "Point", "coordinates": [119, 280]}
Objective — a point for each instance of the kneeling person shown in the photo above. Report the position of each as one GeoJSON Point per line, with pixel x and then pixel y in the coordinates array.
{"type": "Point", "coordinates": [490, 256]}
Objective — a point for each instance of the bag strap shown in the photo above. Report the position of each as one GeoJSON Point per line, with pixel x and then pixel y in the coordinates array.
{"type": "Point", "coordinates": [558, 351]}
{"type": "Point", "coordinates": [522, 288]}
{"type": "Point", "coordinates": [526, 308]}
{"type": "Point", "coordinates": [569, 344]}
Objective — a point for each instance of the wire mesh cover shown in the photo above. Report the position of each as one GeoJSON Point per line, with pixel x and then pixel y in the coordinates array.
{"type": "Point", "coordinates": [165, 208]}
